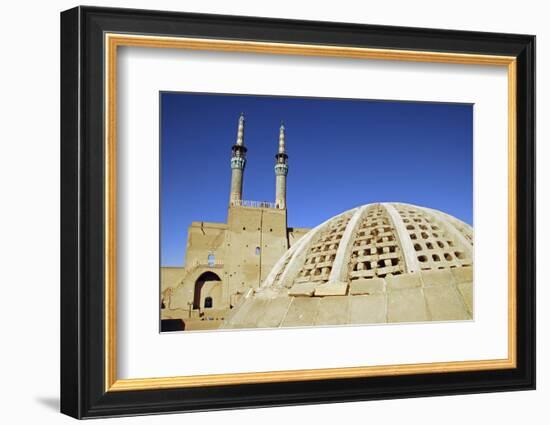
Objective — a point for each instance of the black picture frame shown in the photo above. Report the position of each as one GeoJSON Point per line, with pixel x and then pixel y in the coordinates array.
{"type": "Point", "coordinates": [83, 392]}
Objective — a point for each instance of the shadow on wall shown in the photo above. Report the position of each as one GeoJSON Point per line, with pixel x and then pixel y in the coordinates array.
{"type": "Point", "coordinates": [49, 402]}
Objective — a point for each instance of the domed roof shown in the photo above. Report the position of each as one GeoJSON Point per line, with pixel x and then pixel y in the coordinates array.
{"type": "Point", "coordinates": [415, 262]}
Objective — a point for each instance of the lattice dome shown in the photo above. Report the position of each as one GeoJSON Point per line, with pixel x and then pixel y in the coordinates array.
{"type": "Point", "coordinates": [386, 262]}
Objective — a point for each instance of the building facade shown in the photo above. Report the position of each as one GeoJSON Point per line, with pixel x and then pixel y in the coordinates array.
{"type": "Point", "coordinates": [226, 261]}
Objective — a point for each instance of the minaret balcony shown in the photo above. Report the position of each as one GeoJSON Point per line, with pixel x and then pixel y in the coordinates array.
{"type": "Point", "coordinates": [238, 162]}
{"type": "Point", "coordinates": [252, 204]}
{"type": "Point", "coordinates": [281, 169]}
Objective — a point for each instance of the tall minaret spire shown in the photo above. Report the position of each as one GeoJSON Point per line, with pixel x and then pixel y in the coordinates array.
{"type": "Point", "coordinates": [238, 161]}
{"type": "Point", "coordinates": [240, 131]}
{"type": "Point", "coordinates": [281, 170]}
{"type": "Point", "coordinates": [282, 138]}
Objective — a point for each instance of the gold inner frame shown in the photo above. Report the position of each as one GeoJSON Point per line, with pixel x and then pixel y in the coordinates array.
{"type": "Point", "coordinates": [113, 41]}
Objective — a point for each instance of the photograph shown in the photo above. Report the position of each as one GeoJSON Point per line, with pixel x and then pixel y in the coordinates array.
{"type": "Point", "coordinates": [282, 209]}
{"type": "Point", "coordinates": [282, 212]}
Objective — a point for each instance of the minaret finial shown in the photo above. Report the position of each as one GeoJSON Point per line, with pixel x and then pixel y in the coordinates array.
{"type": "Point", "coordinates": [240, 131]}
{"type": "Point", "coordinates": [282, 138]}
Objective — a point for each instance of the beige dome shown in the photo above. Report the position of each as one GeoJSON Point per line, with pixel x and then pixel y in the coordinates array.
{"type": "Point", "coordinates": [387, 262]}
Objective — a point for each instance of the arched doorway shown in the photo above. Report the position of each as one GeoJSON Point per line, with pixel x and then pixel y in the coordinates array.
{"type": "Point", "coordinates": [199, 283]}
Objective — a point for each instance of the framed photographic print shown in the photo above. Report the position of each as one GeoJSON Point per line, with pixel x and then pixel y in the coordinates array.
{"type": "Point", "coordinates": [261, 212]}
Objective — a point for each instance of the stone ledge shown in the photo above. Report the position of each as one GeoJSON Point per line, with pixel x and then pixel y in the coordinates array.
{"type": "Point", "coordinates": [403, 281]}
{"type": "Point", "coordinates": [407, 305]}
{"type": "Point", "coordinates": [437, 277]}
{"type": "Point", "coordinates": [333, 310]}
{"type": "Point", "coordinates": [368, 309]}
{"type": "Point", "coordinates": [463, 274]}
{"type": "Point", "coordinates": [302, 312]}
{"type": "Point", "coordinates": [445, 303]}
{"type": "Point", "coordinates": [367, 286]}
{"type": "Point", "coordinates": [302, 289]}
{"type": "Point", "coordinates": [328, 289]}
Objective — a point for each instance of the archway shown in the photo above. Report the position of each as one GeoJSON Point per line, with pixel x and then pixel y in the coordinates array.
{"type": "Point", "coordinates": [199, 283]}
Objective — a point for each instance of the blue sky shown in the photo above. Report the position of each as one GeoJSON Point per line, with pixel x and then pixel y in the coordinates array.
{"type": "Point", "coordinates": [342, 153]}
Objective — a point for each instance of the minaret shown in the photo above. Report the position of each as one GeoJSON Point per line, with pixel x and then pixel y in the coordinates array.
{"type": "Point", "coordinates": [281, 170]}
{"type": "Point", "coordinates": [238, 161]}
